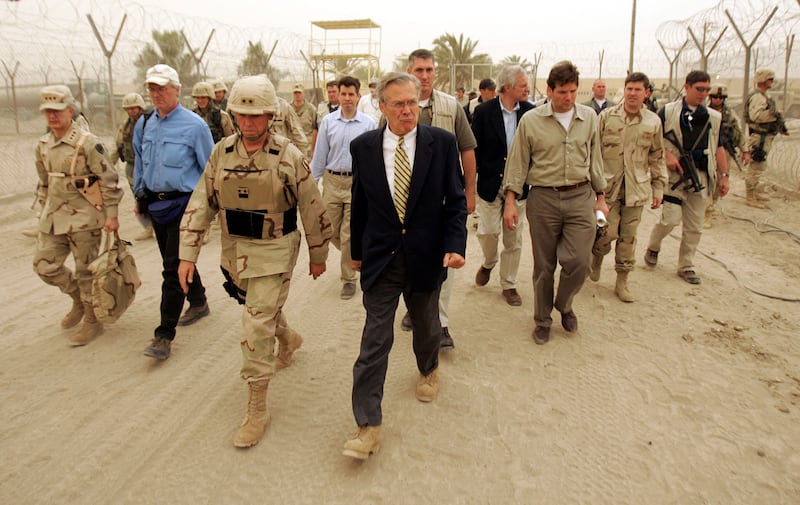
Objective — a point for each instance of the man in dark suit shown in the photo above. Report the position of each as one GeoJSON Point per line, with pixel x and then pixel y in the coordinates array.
{"type": "Point", "coordinates": [494, 125]}
{"type": "Point", "coordinates": [408, 225]}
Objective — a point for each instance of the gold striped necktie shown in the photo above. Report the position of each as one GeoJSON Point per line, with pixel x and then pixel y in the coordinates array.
{"type": "Point", "coordinates": [402, 179]}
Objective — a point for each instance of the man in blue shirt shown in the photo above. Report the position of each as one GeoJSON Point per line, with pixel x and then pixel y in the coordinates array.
{"type": "Point", "coordinates": [332, 162]}
{"type": "Point", "coordinates": [172, 147]}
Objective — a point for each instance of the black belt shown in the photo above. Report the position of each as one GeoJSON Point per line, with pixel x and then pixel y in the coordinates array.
{"type": "Point", "coordinates": [343, 174]}
{"type": "Point", "coordinates": [564, 188]}
{"type": "Point", "coordinates": [164, 195]}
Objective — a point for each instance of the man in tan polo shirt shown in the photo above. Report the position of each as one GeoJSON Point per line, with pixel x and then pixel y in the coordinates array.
{"type": "Point", "coordinates": [556, 150]}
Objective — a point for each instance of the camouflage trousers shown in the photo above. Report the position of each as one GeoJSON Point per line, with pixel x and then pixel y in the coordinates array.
{"type": "Point", "coordinates": [262, 321]}
{"type": "Point", "coordinates": [129, 173]}
{"type": "Point", "coordinates": [756, 168]}
{"type": "Point", "coordinates": [51, 253]}
{"type": "Point", "coordinates": [623, 224]}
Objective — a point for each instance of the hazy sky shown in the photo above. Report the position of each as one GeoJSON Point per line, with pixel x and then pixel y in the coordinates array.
{"type": "Point", "coordinates": [502, 29]}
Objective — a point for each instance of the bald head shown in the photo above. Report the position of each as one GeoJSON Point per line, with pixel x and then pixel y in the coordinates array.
{"type": "Point", "coordinates": [599, 89]}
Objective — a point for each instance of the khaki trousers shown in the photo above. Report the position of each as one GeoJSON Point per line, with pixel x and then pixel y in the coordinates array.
{"type": "Point", "coordinates": [490, 226]}
{"type": "Point", "coordinates": [691, 211]}
{"type": "Point", "coordinates": [563, 226]}
{"type": "Point", "coordinates": [336, 193]}
{"type": "Point", "coordinates": [756, 168]}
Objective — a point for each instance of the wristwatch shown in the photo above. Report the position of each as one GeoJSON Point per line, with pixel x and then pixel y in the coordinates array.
{"type": "Point", "coordinates": [600, 193]}
{"type": "Point", "coordinates": [723, 174]}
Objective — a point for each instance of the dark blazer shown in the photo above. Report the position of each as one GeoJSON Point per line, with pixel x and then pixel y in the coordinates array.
{"type": "Point", "coordinates": [591, 103]}
{"type": "Point", "coordinates": [490, 155]}
{"type": "Point", "coordinates": [436, 212]}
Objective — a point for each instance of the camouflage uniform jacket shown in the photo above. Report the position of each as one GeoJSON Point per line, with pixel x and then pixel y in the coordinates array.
{"type": "Point", "coordinates": [287, 124]}
{"type": "Point", "coordinates": [65, 209]}
{"type": "Point", "coordinates": [290, 187]}
{"type": "Point", "coordinates": [633, 155]}
{"type": "Point", "coordinates": [760, 111]}
{"type": "Point", "coordinates": [731, 128]}
{"type": "Point", "coordinates": [307, 115]}
{"type": "Point", "coordinates": [124, 142]}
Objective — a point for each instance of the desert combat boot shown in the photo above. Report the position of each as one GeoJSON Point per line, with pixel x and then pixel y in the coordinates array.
{"type": "Point", "coordinates": [289, 341]}
{"type": "Point", "coordinates": [75, 314]}
{"type": "Point", "coordinates": [597, 265]}
{"type": "Point", "coordinates": [90, 330]}
{"type": "Point", "coordinates": [621, 288]}
{"type": "Point", "coordinates": [257, 417]}
{"type": "Point", "coordinates": [366, 441]}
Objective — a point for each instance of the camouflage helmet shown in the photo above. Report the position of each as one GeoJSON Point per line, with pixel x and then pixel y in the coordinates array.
{"type": "Point", "coordinates": [254, 95]}
{"type": "Point", "coordinates": [219, 85]}
{"type": "Point", "coordinates": [718, 89]}
{"type": "Point", "coordinates": [764, 74]}
{"type": "Point", "coordinates": [202, 89]}
{"type": "Point", "coordinates": [133, 100]}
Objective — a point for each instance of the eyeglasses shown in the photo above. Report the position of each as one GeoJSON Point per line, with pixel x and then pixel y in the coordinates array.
{"type": "Point", "coordinates": [156, 89]}
{"type": "Point", "coordinates": [402, 105]}
{"type": "Point", "coordinates": [703, 89]}
{"type": "Point", "coordinates": [718, 96]}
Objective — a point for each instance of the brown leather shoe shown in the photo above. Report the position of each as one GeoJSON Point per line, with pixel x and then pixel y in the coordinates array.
{"type": "Point", "coordinates": [541, 335]}
{"type": "Point", "coordinates": [348, 290]}
{"type": "Point", "coordinates": [512, 297]}
{"type": "Point", "coordinates": [569, 321]}
{"type": "Point", "coordinates": [482, 277]}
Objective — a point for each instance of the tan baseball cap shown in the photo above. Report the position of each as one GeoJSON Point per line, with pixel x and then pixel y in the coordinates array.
{"type": "Point", "coordinates": [57, 97]}
{"type": "Point", "coordinates": [764, 74]}
{"type": "Point", "coordinates": [162, 75]}
{"type": "Point", "coordinates": [298, 87]}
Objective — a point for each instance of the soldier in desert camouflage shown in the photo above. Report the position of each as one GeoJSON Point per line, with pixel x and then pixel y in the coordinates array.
{"type": "Point", "coordinates": [71, 163]}
{"type": "Point", "coordinates": [258, 183]}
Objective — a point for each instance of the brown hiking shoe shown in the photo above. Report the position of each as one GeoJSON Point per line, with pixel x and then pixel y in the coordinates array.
{"type": "Point", "coordinates": [512, 297]}
{"type": "Point", "coordinates": [348, 290]}
{"type": "Point", "coordinates": [193, 314]}
{"type": "Point", "coordinates": [541, 335]}
{"type": "Point", "coordinates": [159, 348]}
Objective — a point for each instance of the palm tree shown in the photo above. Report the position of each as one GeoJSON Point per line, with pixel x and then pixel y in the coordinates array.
{"type": "Point", "coordinates": [172, 51]}
{"type": "Point", "coordinates": [515, 59]}
{"type": "Point", "coordinates": [456, 53]}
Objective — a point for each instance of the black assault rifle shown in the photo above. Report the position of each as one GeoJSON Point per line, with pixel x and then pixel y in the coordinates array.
{"type": "Point", "coordinates": [689, 178]}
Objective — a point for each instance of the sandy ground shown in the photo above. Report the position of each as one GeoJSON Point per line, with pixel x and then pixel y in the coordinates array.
{"type": "Point", "coordinates": [689, 396]}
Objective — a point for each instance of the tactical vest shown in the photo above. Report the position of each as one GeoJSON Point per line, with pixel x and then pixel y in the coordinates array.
{"type": "Point", "coordinates": [444, 111]}
{"type": "Point", "coordinates": [128, 154]}
{"type": "Point", "coordinates": [729, 127]}
{"type": "Point", "coordinates": [255, 201]}
{"type": "Point", "coordinates": [672, 121]}
{"type": "Point", "coordinates": [761, 128]}
{"type": "Point", "coordinates": [213, 118]}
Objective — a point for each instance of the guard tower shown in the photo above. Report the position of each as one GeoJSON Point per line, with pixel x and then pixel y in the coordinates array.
{"type": "Point", "coordinates": [338, 47]}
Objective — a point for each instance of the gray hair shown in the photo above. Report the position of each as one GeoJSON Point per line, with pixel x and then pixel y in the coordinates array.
{"type": "Point", "coordinates": [508, 75]}
{"type": "Point", "coordinates": [396, 78]}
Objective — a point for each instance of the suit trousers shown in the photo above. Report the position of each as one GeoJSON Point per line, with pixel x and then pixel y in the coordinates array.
{"type": "Point", "coordinates": [691, 211]}
{"type": "Point", "coordinates": [490, 227]}
{"type": "Point", "coordinates": [380, 302]}
{"type": "Point", "coordinates": [168, 237]}
{"type": "Point", "coordinates": [563, 227]}
{"type": "Point", "coordinates": [336, 193]}
{"type": "Point", "coordinates": [623, 224]}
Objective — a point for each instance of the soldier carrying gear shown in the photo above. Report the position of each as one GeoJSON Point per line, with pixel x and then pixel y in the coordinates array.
{"type": "Point", "coordinates": [764, 121]}
{"type": "Point", "coordinates": [79, 194]}
{"type": "Point", "coordinates": [220, 94]}
{"type": "Point", "coordinates": [218, 121]}
{"type": "Point", "coordinates": [732, 137]}
{"type": "Point", "coordinates": [258, 182]}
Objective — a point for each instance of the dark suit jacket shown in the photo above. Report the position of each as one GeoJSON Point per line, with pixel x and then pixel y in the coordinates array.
{"type": "Point", "coordinates": [436, 212]}
{"type": "Point", "coordinates": [490, 155]}
{"type": "Point", "coordinates": [591, 103]}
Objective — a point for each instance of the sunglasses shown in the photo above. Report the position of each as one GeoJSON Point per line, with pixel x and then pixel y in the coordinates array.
{"type": "Point", "coordinates": [702, 89]}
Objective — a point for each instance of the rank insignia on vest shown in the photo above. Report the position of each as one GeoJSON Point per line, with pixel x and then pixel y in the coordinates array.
{"type": "Point", "coordinates": [244, 192]}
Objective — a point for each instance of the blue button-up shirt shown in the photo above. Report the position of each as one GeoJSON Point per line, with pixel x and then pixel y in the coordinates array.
{"type": "Point", "coordinates": [332, 150]}
{"type": "Point", "coordinates": [510, 122]}
{"type": "Point", "coordinates": [172, 152]}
